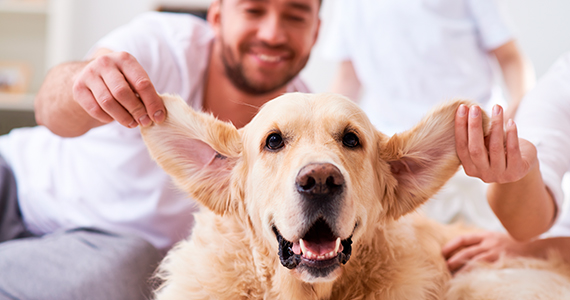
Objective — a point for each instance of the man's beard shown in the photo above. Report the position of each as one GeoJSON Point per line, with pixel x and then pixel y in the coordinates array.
{"type": "Point", "coordinates": [236, 74]}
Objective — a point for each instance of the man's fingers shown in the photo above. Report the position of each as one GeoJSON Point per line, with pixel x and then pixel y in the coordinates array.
{"type": "Point", "coordinates": [461, 139]}
{"type": "Point", "coordinates": [88, 102]}
{"type": "Point", "coordinates": [125, 96]}
{"type": "Point", "coordinates": [462, 257]}
{"type": "Point", "coordinates": [108, 104]}
{"type": "Point", "coordinates": [114, 86]}
{"type": "Point", "coordinates": [484, 256]}
{"type": "Point", "coordinates": [514, 158]}
{"type": "Point", "coordinates": [460, 242]}
{"type": "Point", "coordinates": [143, 87]}
{"type": "Point", "coordinates": [496, 142]}
{"type": "Point", "coordinates": [477, 148]}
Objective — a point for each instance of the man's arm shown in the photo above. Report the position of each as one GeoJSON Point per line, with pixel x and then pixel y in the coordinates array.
{"type": "Point", "coordinates": [346, 81]}
{"type": "Point", "coordinates": [518, 74]}
{"type": "Point", "coordinates": [54, 105]}
{"type": "Point", "coordinates": [78, 96]}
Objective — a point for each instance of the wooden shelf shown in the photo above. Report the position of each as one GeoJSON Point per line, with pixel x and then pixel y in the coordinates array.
{"type": "Point", "coordinates": [21, 102]}
{"type": "Point", "coordinates": [23, 6]}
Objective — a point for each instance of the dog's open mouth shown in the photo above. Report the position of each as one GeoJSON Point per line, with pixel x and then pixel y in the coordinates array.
{"type": "Point", "coordinates": [318, 249]}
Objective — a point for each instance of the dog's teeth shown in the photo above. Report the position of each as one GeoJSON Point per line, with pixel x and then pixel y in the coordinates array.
{"type": "Point", "coordinates": [309, 255]}
{"type": "Point", "coordinates": [337, 245]}
{"type": "Point", "coordinates": [303, 247]}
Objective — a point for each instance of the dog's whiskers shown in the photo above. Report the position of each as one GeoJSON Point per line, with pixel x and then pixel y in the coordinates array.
{"type": "Point", "coordinates": [256, 107]}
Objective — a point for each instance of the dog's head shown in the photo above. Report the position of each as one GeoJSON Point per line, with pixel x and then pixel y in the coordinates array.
{"type": "Point", "coordinates": [310, 173]}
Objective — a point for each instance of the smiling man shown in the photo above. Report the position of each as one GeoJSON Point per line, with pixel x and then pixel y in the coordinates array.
{"type": "Point", "coordinates": [90, 212]}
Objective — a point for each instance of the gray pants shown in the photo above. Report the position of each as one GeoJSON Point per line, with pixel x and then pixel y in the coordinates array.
{"type": "Point", "coordinates": [80, 264]}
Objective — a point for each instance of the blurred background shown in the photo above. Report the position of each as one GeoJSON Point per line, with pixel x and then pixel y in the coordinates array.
{"type": "Point", "coordinates": [38, 34]}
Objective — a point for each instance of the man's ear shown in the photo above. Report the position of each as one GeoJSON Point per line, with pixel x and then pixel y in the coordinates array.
{"type": "Point", "coordinates": [213, 15]}
{"type": "Point", "coordinates": [422, 159]}
{"type": "Point", "coordinates": [197, 151]}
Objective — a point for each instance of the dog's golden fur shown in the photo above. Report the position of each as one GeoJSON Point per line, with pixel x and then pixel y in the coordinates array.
{"type": "Point", "coordinates": [248, 197]}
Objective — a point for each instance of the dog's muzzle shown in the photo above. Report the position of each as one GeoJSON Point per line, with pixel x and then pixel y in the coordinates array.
{"type": "Point", "coordinates": [319, 251]}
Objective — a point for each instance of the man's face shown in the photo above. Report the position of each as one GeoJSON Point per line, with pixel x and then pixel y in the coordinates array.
{"type": "Point", "coordinates": [265, 43]}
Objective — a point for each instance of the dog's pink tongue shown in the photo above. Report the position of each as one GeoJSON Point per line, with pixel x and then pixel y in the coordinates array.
{"type": "Point", "coordinates": [320, 248]}
{"type": "Point", "coordinates": [316, 248]}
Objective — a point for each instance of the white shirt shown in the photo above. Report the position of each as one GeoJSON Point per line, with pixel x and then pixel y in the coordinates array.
{"type": "Point", "coordinates": [106, 178]}
{"type": "Point", "coordinates": [543, 118]}
{"type": "Point", "coordinates": [412, 54]}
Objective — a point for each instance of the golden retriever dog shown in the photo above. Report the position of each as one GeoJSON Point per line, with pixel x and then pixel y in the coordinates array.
{"type": "Point", "coordinates": [310, 201]}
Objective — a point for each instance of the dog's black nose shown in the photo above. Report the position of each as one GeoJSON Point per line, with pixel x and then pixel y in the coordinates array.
{"type": "Point", "coordinates": [321, 179]}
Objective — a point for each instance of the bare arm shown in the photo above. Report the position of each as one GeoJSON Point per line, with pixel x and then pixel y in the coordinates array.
{"type": "Point", "coordinates": [54, 105]}
{"type": "Point", "coordinates": [346, 82]}
{"type": "Point", "coordinates": [516, 193]}
{"type": "Point", "coordinates": [525, 207]}
{"type": "Point", "coordinates": [540, 248]}
{"type": "Point", "coordinates": [518, 74]}
{"type": "Point", "coordinates": [489, 246]}
{"type": "Point", "coordinates": [78, 96]}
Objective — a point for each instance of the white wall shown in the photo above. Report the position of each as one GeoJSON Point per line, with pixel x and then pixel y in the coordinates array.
{"type": "Point", "coordinates": [77, 25]}
{"type": "Point", "coordinates": [542, 26]}
{"type": "Point", "coordinates": [543, 29]}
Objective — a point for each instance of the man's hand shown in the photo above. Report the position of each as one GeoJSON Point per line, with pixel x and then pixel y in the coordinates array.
{"type": "Point", "coordinates": [462, 251]}
{"type": "Point", "coordinates": [114, 86]}
{"type": "Point", "coordinates": [501, 157]}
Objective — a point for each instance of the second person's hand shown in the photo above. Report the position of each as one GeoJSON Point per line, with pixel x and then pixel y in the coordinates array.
{"type": "Point", "coordinates": [501, 157]}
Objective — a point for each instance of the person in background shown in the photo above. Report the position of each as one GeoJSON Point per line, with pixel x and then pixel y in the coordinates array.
{"type": "Point", "coordinates": [400, 58]}
{"type": "Point", "coordinates": [84, 211]}
{"type": "Point", "coordinates": [526, 174]}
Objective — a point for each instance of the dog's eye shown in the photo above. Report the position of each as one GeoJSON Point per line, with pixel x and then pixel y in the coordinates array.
{"type": "Point", "coordinates": [350, 140]}
{"type": "Point", "coordinates": [274, 141]}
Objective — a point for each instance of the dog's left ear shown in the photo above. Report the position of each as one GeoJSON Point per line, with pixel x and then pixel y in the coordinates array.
{"type": "Point", "coordinates": [197, 151]}
{"type": "Point", "coordinates": [422, 159]}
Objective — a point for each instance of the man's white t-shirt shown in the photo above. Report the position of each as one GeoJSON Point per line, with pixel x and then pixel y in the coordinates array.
{"type": "Point", "coordinates": [413, 54]}
{"type": "Point", "coordinates": [106, 178]}
{"type": "Point", "coordinates": [543, 118]}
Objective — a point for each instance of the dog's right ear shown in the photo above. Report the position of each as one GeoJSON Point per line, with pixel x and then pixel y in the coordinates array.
{"type": "Point", "coordinates": [197, 151]}
{"type": "Point", "coordinates": [422, 159]}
